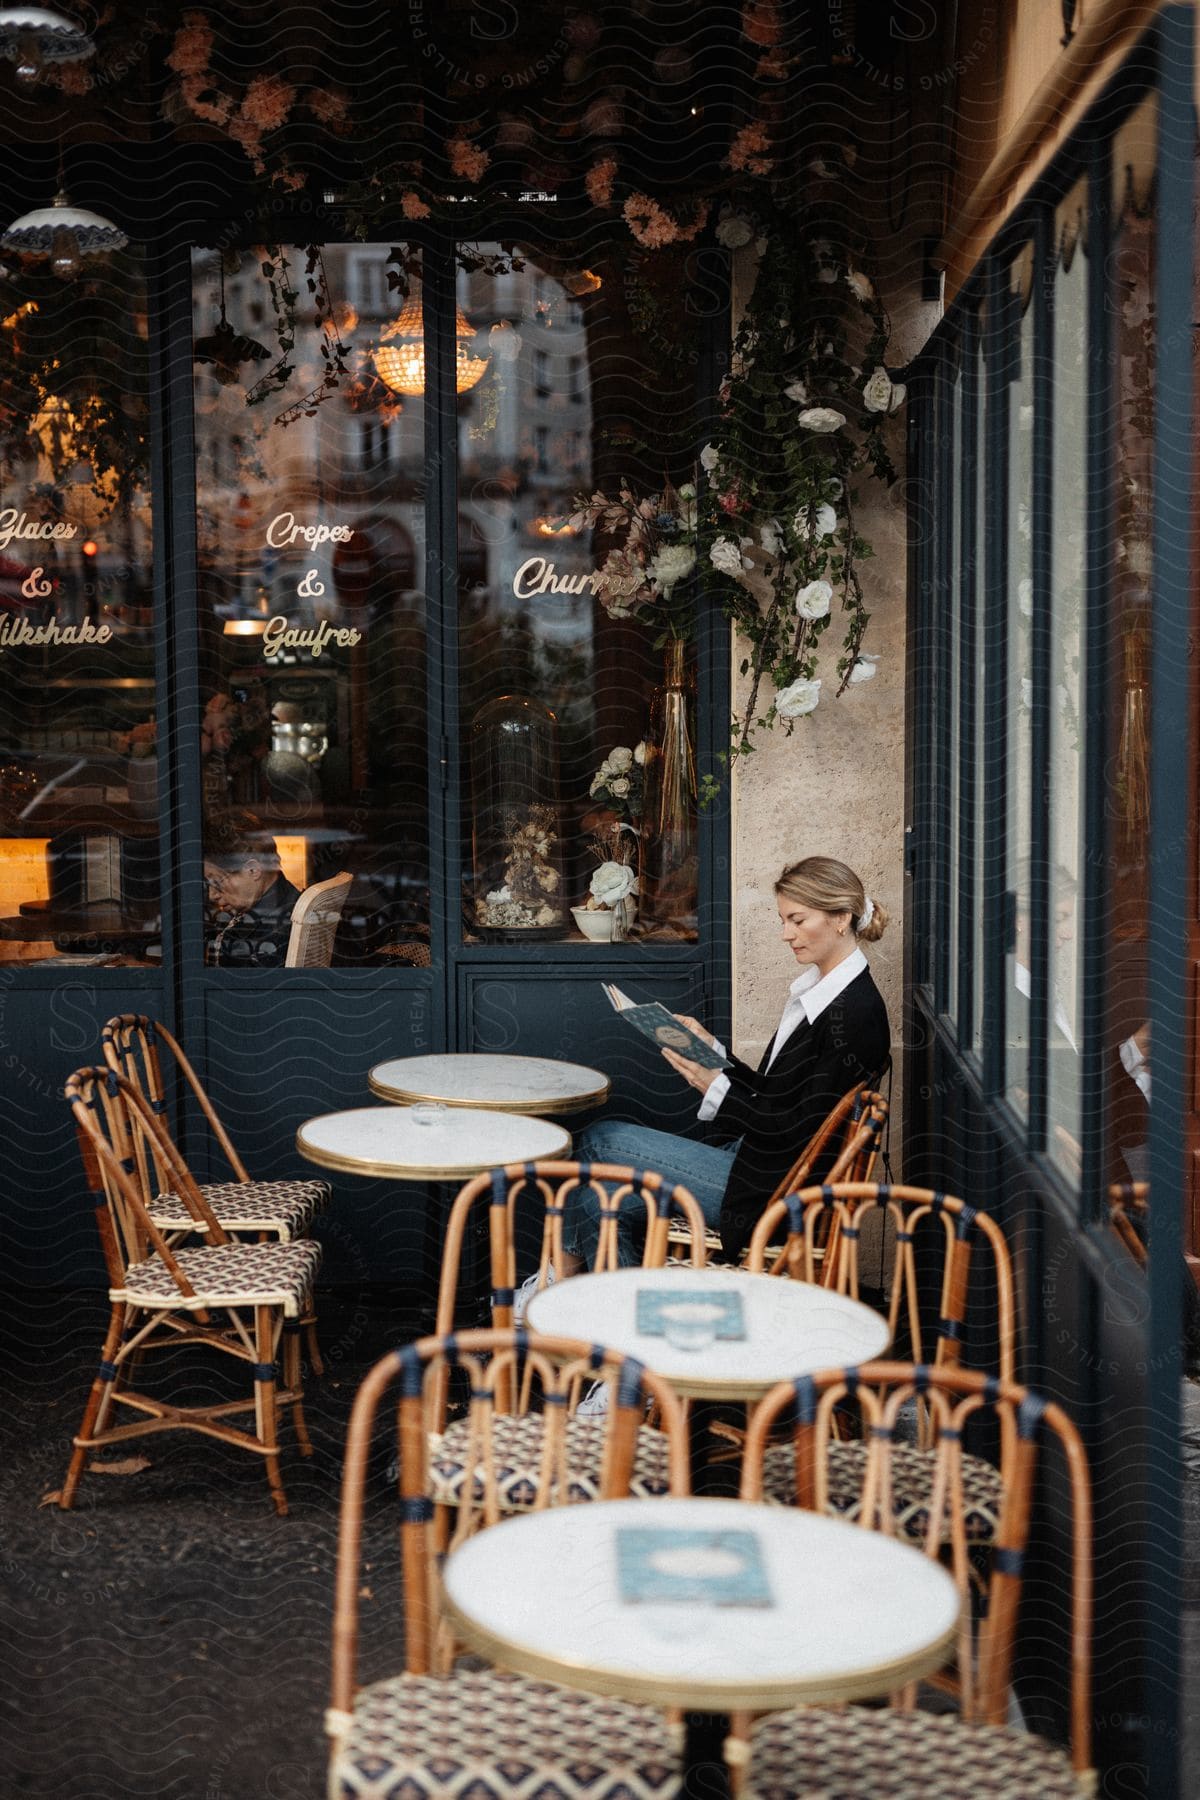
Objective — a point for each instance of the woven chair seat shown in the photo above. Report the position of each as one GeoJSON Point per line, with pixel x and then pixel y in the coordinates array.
{"type": "Point", "coordinates": [489, 1736]}
{"type": "Point", "coordinates": [286, 1208]}
{"type": "Point", "coordinates": [852, 1753]}
{"type": "Point", "coordinates": [517, 1455]}
{"type": "Point", "coordinates": [228, 1275]}
{"type": "Point", "coordinates": [912, 1484]}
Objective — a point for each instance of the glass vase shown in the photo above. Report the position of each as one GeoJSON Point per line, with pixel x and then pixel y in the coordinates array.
{"type": "Point", "coordinates": [516, 888]}
{"type": "Point", "coordinates": [669, 838]}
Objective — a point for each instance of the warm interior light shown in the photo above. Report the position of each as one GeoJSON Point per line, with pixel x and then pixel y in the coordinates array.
{"type": "Point", "coordinates": [24, 872]}
{"type": "Point", "coordinates": [89, 547]}
{"type": "Point", "coordinates": [293, 859]}
{"type": "Point", "coordinates": [400, 359]}
{"type": "Point", "coordinates": [244, 627]}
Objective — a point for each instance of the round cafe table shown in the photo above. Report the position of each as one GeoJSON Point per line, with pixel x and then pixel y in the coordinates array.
{"type": "Point", "coordinates": [847, 1614]}
{"type": "Point", "coordinates": [450, 1146]}
{"type": "Point", "coordinates": [791, 1327]}
{"type": "Point", "coordinates": [509, 1084]}
{"type": "Point", "coordinates": [401, 1143]}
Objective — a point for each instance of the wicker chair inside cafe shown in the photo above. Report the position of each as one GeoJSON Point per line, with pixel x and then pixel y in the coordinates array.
{"type": "Point", "coordinates": [134, 1045]}
{"type": "Point", "coordinates": [851, 1133]}
{"type": "Point", "coordinates": [242, 1300]}
{"type": "Point", "coordinates": [519, 1428]}
{"type": "Point", "coordinates": [438, 1730]}
{"type": "Point", "coordinates": [901, 1752]}
{"type": "Point", "coordinates": [952, 1230]}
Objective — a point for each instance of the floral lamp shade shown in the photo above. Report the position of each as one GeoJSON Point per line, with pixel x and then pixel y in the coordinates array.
{"type": "Point", "coordinates": [33, 37]}
{"type": "Point", "coordinates": [65, 233]}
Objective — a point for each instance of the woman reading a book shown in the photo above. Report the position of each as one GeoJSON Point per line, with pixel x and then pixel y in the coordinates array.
{"type": "Point", "coordinates": [833, 1034]}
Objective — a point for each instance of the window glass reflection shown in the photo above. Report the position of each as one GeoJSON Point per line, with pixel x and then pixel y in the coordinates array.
{"type": "Point", "coordinates": [78, 721]}
{"type": "Point", "coordinates": [311, 546]}
{"type": "Point", "coordinates": [1021, 502]}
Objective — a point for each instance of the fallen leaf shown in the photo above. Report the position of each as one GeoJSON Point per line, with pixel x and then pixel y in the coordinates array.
{"type": "Point", "coordinates": [127, 1465]}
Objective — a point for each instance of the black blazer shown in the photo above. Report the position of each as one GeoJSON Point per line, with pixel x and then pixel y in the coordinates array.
{"type": "Point", "coordinates": [776, 1111]}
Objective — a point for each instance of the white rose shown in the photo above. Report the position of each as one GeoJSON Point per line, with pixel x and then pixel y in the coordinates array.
{"type": "Point", "coordinates": [619, 785]}
{"type": "Point", "coordinates": [864, 667]}
{"type": "Point", "coordinates": [673, 564]}
{"type": "Point", "coordinates": [793, 702]}
{"type": "Point", "coordinates": [619, 760]}
{"type": "Point", "coordinates": [860, 285]}
{"type": "Point", "coordinates": [727, 557]}
{"type": "Point", "coordinates": [708, 459]}
{"type": "Point", "coordinates": [734, 231]}
{"type": "Point", "coordinates": [796, 390]}
{"type": "Point", "coordinates": [813, 601]}
{"type": "Point", "coordinates": [611, 883]}
{"type": "Point", "coordinates": [821, 419]}
{"type": "Point", "coordinates": [825, 527]}
{"type": "Point", "coordinates": [687, 491]}
{"type": "Point", "coordinates": [639, 754]}
{"type": "Point", "coordinates": [880, 394]}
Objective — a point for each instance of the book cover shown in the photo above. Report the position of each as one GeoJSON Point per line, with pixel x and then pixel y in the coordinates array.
{"type": "Point", "coordinates": [697, 1568]}
{"type": "Point", "coordinates": [663, 1028]}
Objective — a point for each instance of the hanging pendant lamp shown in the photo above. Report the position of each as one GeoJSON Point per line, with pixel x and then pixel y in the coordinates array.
{"type": "Point", "coordinates": [226, 349]}
{"type": "Point", "coordinates": [66, 234]}
{"type": "Point", "coordinates": [401, 359]}
{"type": "Point", "coordinates": [34, 37]}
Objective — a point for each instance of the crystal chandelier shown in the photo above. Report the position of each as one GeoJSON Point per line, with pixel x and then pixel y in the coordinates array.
{"type": "Point", "coordinates": [400, 359]}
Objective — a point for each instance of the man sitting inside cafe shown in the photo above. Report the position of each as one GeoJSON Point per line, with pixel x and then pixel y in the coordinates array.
{"type": "Point", "coordinates": [250, 900]}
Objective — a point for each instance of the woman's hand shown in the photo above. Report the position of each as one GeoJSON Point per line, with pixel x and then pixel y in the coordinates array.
{"type": "Point", "coordinates": [696, 1026]}
{"type": "Point", "coordinates": [693, 1073]}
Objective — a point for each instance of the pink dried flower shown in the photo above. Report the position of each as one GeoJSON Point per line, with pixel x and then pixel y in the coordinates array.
{"type": "Point", "coordinates": [216, 112]}
{"type": "Point", "coordinates": [653, 226]}
{"type": "Point", "coordinates": [747, 151]}
{"type": "Point", "coordinates": [466, 159]}
{"type": "Point", "coordinates": [412, 205]}
{"type": "Point", "coordinates": [599, 181]}
{"type": "Point", "coordinates": [193, 45]}
{"type": "Point", "coordinates": [267, 102]}
{"type": "Point", "coordinates": [731, 500]}
{"type": "Point", "coordinates": [288, 179]}
{"type": "Point", "coordinates": [329, 105]}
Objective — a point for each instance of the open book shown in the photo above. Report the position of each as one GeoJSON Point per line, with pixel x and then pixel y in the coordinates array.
{"type": "Point", "coordinates": [664, 1028]}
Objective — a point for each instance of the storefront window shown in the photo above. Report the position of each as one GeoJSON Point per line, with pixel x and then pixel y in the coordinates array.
{"type": "Point", "coordinates": [311, 549]}
{"type": "Point", "coordinates": [78, 726]}
{"type": "Point", "coordinates": [567, 395]}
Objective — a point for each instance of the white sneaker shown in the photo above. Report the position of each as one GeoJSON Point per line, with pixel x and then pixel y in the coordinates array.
{"type": "Point", "coordinates": [526, 1291]}
{"type": "Point", "coordinates": [594, 1404]}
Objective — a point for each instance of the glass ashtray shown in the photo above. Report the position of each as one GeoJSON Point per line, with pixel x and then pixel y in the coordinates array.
{"type": "Point", "coordinates": [691, 1324]}
{"type": "Point", "coordinates": [427, 1112]}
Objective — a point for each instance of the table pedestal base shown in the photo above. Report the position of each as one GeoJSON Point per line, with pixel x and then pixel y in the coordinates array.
{"type": "Point", "coordinates": [705, 1776]}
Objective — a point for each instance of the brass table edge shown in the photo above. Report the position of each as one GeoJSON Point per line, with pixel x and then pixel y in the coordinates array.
{"type": "Point", "coordinates": [697, 1694]}
{"type": "Point", "coordinates": [534, 1109]}
{"type": "Point", "coordinates": [343, 1165]}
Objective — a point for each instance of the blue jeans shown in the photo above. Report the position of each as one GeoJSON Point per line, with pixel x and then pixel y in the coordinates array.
{"type": "Point", "coordinates": [682, 1162]}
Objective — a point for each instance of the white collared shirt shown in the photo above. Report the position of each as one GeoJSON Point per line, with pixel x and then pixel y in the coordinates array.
{"type": "Point", "coordinates": [808, 997]}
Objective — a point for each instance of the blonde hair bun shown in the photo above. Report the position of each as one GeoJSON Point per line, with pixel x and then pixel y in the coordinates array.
{"type": "Point", "coordinates": [827, 885]}
{"type": "Point", "coordinates": [874, 929]}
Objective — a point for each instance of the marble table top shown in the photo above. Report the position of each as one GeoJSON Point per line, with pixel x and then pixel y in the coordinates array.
{"type": "Point", "coordinates": [850, 1613]}
{"type": "Point", "coordinates": [448, 1144]}
{"type": "Point", "coordinates": [517, 1084]}
{"type": "Point", "coordinates": [792, 1327]}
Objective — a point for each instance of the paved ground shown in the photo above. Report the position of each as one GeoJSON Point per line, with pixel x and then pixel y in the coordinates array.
{"type": "Point", "coordinates": [169, 1638]}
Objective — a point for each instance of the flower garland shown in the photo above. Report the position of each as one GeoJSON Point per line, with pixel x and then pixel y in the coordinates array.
{"type": "Point", "coordinates": [801, 418]}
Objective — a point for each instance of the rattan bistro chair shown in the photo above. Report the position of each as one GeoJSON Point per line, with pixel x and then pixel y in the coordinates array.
{"type": "Point", "coordinates": [235, 1298]}
{"type": "Point", "coordinates": [439, 1733]}
{"type": "Point", "coordinates": [315, 920]}
{"type": "Point", "coordinates": [955, 1229]}
{"type": "Point", "coordinates": [851, 1132]}
{"type": "Point", "coordinates": [133, 1046]}
{"type": "Point", "coordinates": [906, 1754]}
{"type": "Point", "coordinates": [518, 1430]}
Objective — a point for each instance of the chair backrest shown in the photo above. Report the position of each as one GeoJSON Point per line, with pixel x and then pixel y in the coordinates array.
{"type": "Point", "coordinates": [132, 1045]}
{"type": "Point", "coordinates": [551, 1184]}
{"type": "Point", "coordinates": [110, 1119]}
{"type": "Point", "coordinates": [914, 1212]}
{"type": "Point", "coordinates": [494, 1359]}
{"type": "Point", "coordinates": [315, 919]}
{"type": "Point", "coordinates": [1129, 1201]}
{"type": "Point", "coordinates": [832, 1135]}
{"type": "Point", "coordinates": [954, 1397]}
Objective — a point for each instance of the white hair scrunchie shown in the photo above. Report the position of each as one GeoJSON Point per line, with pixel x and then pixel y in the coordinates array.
{"type": "Point", "coordinates": [866, 915]}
